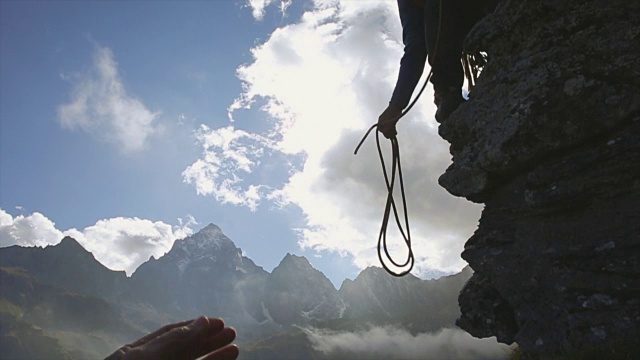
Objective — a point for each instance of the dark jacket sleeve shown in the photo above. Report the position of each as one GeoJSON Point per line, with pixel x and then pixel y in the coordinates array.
{"type": "Point", "coordinates": [415, 52]}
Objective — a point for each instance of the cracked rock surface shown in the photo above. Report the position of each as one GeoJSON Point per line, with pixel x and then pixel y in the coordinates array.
{"type": "Point", "coordinates": [549, 141]}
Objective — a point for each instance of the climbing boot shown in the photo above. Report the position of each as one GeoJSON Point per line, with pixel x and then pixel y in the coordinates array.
{"type": "Point", "coordinates": [447, 101]}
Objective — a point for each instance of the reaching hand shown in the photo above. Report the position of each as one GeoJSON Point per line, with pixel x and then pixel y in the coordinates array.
{"type": "Point", "coordinates": [187, 340]}
{"type": "Point", "coordinates": [387, 121]}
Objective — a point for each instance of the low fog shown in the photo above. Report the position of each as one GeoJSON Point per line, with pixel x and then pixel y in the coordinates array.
{"type": "Point", "coordinates": [394, 343]}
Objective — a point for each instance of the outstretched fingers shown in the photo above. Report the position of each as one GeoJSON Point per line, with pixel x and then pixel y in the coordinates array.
{"type": "Point", "coordinates": [229, 352]}
{"type": "Point", "coordinates": [132, 351]}
{"type": "Point", "coordinates": [221, 339]}
{"type": "Point", "coordinates": [187, 342]}
{"type": "Point", "coordinates": [163, 330]}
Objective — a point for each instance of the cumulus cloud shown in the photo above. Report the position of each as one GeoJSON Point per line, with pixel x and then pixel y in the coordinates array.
{"type": "Point", "coordinates": [258, 7]}
{"type": "Point", "coordinates": [32, 230]}
{"type": "Point", "coordinates": [321, 82]}
{"type": "Point", "coordinates": [118, 243]}
{"type": "Point", "coordinates": [393, 343]}
{"type": "Point", "coordinates": [228, 153]}
{"type": "Point", "coordinates": [101, 106]}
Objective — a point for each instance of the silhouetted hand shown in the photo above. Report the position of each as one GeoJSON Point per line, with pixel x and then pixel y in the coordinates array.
{"type": "Point", "coordinates": [186, 340]}
{"type": "Point", "coordinates": [387, 121]}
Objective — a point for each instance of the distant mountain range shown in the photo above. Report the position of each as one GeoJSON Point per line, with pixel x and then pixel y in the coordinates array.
{"type": "Point", "coordinates": [62, 299]}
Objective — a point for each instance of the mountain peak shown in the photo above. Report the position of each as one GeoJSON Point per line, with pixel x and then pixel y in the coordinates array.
{"type": "Point", "coordinates": [70, 243]}
{"type": "Point", "coordinates": [211, 228]}
{"type": "Point", "coordinates": [209, 243]}
{"type": "Point", "coordinates": [372, 271]}
{"type": "Point", "coordinates": [299, 265]}
{"type": "Point", "coordinates": [210, 235]}
{"type": "Point", "coordinates": [291, 260]}
{"type": "Point", "coordinates": [296, 292]}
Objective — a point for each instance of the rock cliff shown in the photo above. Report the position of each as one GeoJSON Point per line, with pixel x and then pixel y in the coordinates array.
{"type": "Point", "coordinates": [203, 273]}
{"type": "Point", "coordinates": [549, 141]}
{"type": "Point", "coordinates": [69, 266]}
{"type": "Point", "coordinates": [419, 305]}
{"type": "Point", "coordinates": [297, 293]}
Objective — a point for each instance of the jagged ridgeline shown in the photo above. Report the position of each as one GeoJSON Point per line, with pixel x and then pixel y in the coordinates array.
{"type": "Point", "coordinates": [60, 300]}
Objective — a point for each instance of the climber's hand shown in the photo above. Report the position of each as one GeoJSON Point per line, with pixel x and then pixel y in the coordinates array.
{"type": "Point", "coordinates": [387, 121]}
{"type": "Point", "coordinates": [188, 340]}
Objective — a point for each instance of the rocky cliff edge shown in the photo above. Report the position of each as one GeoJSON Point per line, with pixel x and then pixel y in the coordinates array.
{"type": "Point", "coordinates": [549, 141]}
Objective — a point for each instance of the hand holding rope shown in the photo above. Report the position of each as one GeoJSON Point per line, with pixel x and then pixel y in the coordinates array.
{"type": "Point", "coordinates": [407, 265]}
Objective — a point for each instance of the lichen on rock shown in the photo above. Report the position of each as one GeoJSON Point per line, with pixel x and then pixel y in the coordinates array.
{"type": "Point", "coordinates": [549, 141]}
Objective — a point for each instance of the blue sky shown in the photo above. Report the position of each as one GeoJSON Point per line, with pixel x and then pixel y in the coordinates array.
{"type": "Point", "coordinates": [130, 124]}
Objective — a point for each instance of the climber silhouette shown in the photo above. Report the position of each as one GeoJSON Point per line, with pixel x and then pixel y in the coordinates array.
{"type": "Point", "coordinates": [436, 28]}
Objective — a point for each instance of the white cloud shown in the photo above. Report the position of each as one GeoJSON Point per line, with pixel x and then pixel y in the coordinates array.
{"type": "Point", "coordinates": [100, 105]}
{"type": "Point", "coordinates": [228, 153]}
{"type": "Point", "coordinates": [393, 343]}
{"type": "Point", "coordinates": [322, 82]}
{"type": "Point", "coordinates": [118, 243]}
{"type": "Point", "coordinates": [31, 230]}
{"type": "Point", "coordinates": [258, 7]}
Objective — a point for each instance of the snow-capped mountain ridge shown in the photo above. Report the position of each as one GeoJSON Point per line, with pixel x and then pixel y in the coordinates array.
{"type": "Point", "coordinates": [206, 273]}
{"type": "Point", "coordinates": [210, 239]}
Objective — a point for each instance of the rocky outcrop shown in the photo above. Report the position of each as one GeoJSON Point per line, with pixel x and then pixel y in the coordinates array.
{"type": "Point", "coordinates": [33, 315]}
{"type": "Point", "coordinates": [204, 272]}
{"type": "Point", "coordinates": [297, 293]}
{"type": "Point", "coordinates": [68, 266]}
{"type": "Point", "coordinates": [415, 304]}
{"type": "Point", "coordinates": [550, 143]}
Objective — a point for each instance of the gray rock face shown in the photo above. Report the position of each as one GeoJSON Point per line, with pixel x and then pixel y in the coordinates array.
{"type": "Point", "coordinates": [205, 272]}
{"type": "Point", "coordinates": [68, 266]}
{"type": "Point", "coordinates": [550, 142]}
{"type": "Point", "coordinates": [296, 293]}
{"type": "Point", "coordinates": [418, 305]}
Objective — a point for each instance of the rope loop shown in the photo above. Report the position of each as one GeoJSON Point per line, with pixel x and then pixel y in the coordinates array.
{"type": "Point", "coordinates": [407, 265]}
{"type": "Point", "coordinates": [383, 249]}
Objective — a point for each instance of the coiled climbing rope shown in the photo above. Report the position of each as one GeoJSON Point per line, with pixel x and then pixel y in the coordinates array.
{"type": "Point", "coordinates": [383, 248]}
